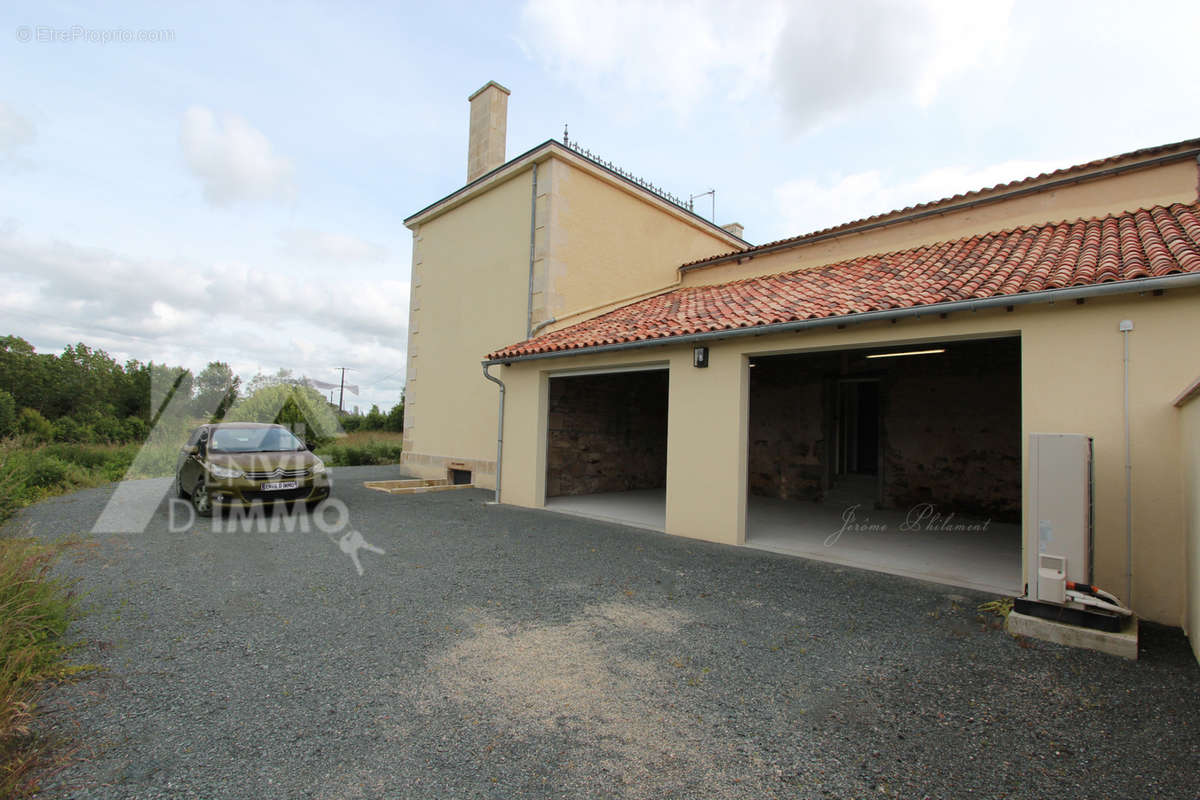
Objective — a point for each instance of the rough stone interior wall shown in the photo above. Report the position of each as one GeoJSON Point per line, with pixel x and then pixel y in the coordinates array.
{"type": "Point", "coordinates": [787, 439]}
{"type": "Point", "coordinates": [607, 433]}
{"type": "Point", "coordinates": [952, 430]}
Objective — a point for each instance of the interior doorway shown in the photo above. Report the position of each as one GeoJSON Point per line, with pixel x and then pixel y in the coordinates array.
{"type": "Point", "coordinates": [896, 458]}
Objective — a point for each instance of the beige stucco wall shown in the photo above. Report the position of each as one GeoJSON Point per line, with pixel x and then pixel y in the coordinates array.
{"type": "Point", "coordinates": [1071, 383]}
{"type": "Point", "coordinates": [595, 241]}
{"type": "Point", "coordinates": [1171, 183]}
{"type": "Point", "coordinates": [470, 280]}
{"type": "Point", "coordinates": [1189, 428]}
{"type": "Point", "coordinates": [603, 242]}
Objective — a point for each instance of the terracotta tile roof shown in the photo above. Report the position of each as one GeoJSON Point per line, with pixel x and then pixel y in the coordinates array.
{"type": "Point", "coordinates": [1140, 244]}
{"type": "Point", "coordinates": [1144, 153]}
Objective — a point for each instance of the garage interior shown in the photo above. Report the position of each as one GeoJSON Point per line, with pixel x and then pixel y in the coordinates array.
{"type": "Point", "coordinates": [606, 446]}
{"type": "Point", "coordinates": [904, 460]}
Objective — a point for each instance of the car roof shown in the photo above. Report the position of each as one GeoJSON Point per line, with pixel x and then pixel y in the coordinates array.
{"type": "Point", "coordinates": [215, 425]}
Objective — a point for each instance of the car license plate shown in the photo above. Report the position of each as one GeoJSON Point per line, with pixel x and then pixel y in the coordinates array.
{"type": "Point", "coordinates": [274, 487]}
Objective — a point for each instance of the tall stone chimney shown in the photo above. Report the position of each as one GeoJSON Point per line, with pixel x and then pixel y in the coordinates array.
{"type": "Point", "coordinates": [489, 123]}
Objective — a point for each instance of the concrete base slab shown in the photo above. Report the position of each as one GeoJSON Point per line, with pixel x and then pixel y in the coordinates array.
{"type": "Point", "coordinates": [640, 508]}
{"type": "Point", "coordinates": [1123, 643]}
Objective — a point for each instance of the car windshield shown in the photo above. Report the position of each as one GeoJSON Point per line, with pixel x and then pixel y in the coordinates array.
{"type": "Point", "coordinates": [254, 440]}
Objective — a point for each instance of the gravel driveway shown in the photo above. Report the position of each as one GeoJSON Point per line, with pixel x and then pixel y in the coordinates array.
{"type": "Point", "coordinates": [498, 652]}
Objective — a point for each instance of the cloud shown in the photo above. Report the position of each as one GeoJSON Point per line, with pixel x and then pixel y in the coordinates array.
{"type": "Point", "coordinates": [252, 316]}
{"type": "Point", "coordinates": [807, 205]}
{"type": "Point", "coordinates": [324, 246]}
{"type": "Point", "coordinates": [819, 58]}
{"type": "Point", "coordinates": [234, 161]}
{"type": "Point", "coordinates": [835, 57]}
{"type": "Point", "coordinates": [16, 133]}
{"type": "Point", "coordinates": [15, 130]}
{"type": "Point", "coordinates": [677, 52]}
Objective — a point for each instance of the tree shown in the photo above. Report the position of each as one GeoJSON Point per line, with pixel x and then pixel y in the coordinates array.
{"type": "Point", "coordinates": [216, 390]}
{"type": "Point", "coordinates": [300, 408]}
{"type": "Point", "coordinates": [374, 420]}
{"type": "Point", "coordinates": [395, 417]}
{"type": "Point", "coordinates": [23, 373]}
{"type": "Point", "coordinates": [8, 415]}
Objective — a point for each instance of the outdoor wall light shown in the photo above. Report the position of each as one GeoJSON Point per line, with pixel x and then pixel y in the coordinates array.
{"type": "Point", "coordinates": [908, 353]}
{"type": "Point", "coordinates": [700, 357]}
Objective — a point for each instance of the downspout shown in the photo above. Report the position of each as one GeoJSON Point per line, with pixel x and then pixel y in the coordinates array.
{"type": "Point", "coordinates": [499, 426]}
{"type": "Point", "coordinates": [532, 233]}
{"type": "Point", "coordinates": [541, 325]}
{"type": "Point", "coordinates": [1126, 328]}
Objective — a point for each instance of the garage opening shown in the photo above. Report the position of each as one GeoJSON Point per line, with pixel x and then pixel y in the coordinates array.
{"type": "Point", "coordinates": [606, 446]}
{"type": "Point", "coordinates": [899, 459]}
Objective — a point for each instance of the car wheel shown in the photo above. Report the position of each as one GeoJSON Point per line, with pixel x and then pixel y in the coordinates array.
{"type": "Point", "coordinates": [179, 492]}
{"type": "Point", "coordinates": [201, 502]}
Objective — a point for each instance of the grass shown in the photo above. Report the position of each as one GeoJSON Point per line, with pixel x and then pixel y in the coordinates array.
{"type": "Point", "coordinates": [32, 473]}
{"type": "Point", "coordinates": [363, 447]}
{"type": "Point", "coordinates": [35, 610]}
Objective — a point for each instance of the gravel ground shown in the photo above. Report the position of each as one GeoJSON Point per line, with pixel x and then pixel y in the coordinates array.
{"type": "Point", "coordinates": [498, 652]}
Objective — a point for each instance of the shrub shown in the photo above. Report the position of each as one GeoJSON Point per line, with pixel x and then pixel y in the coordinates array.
{"type": "Point", "coordinates": [357, 454]}
{"type": "Point", "coordinates": [12, 484]}
{"type": "Point", "coordinates": [109, 461]}
{"type": "Point", "coordinates": [44, 471]}
{"type": "Point", "coordinates": [8, 415]}
{"type": "Point", "coordinates": [68, 429]}
{"type": "Point", "coordinates": [133, 429]}
{"type": "Point", "coordinates": [83, 455]}
{"type": "Point", "coordinates": [34, 425]}
{"type": "Point", "coordinates": [106, 428]}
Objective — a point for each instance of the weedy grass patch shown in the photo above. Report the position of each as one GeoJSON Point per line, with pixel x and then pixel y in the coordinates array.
{"type": "Point", "coordinates": [35, 609]}
{"type": "Point", "coordinates": [363, 448]}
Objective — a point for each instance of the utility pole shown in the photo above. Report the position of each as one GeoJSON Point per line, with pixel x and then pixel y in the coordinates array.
{"type": "Point", "coordinates": [342, 390]}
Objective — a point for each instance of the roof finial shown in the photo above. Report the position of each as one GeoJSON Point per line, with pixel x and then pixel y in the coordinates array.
{"type": "Point", "coordinates": [566, 139]}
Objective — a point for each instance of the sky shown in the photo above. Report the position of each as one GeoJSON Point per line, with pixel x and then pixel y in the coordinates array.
{"type": "Point", "coordinates": [193, 182]}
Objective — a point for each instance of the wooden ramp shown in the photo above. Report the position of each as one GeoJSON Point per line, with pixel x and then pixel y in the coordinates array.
{"type": "Point", "coordinates": [416, 486]}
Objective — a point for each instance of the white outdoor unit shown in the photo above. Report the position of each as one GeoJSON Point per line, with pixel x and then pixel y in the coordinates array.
{"type": "Point", "coordinates": [1060, 499]}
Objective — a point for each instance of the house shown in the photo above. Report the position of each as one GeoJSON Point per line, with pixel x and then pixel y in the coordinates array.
{"type": "Point", "coordinates": [862, 394]}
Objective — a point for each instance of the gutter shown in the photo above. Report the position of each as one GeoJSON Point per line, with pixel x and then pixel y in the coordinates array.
{"type": "Point", "coordinates": [1181, 281]}
{"type": "Point", "coordinates": [499, 427]}
{"type": "Point", "coordinates": [931, 212]}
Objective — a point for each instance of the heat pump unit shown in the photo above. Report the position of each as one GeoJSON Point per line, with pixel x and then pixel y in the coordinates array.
{"type": "Point", "coordinates": [1060, 498]}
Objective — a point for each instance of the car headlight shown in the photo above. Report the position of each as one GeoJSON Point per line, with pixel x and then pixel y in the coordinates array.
{"type": "Point", "coordinates": [318, 467]}
{"type": "Point", "coordinates": [217, 471]}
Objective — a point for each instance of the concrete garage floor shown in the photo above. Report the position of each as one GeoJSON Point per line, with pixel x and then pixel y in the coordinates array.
{"type": "Point", "coordinates": [919, 546]}
{"type": "Point", "coordinates": [896, 542]}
